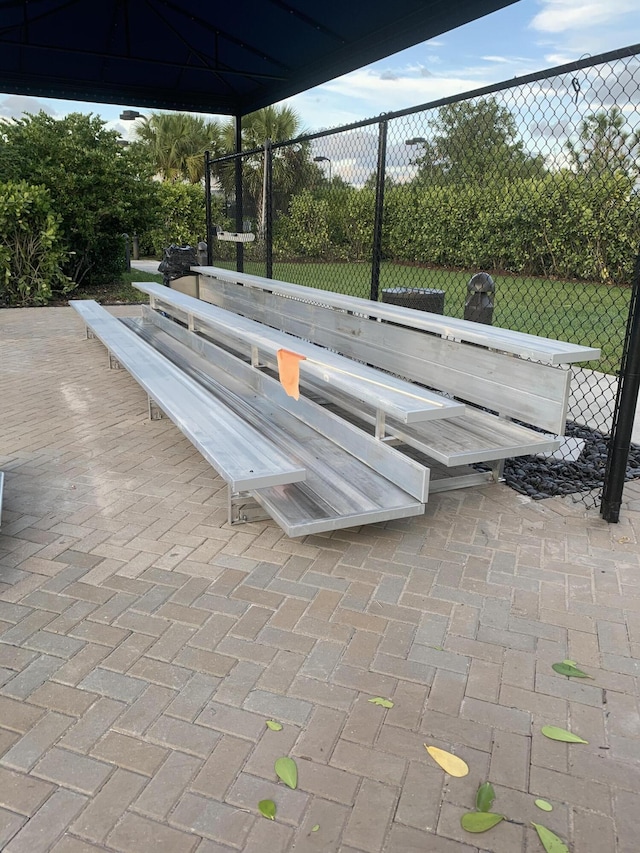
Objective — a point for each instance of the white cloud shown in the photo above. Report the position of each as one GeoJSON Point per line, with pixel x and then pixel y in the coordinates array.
{"type": "Point", "coordinates": [554, 59]}
{"type": "Point", "coordinates": [399, 91]}
{"type": "Point", "coordinates": [558, 16]}
{"type": "Point", "coordinates": [368, 92]}
{"type": "Point", "coordinates": [571, 29]}
{"type": "Point", "coordinates": [13, 106]}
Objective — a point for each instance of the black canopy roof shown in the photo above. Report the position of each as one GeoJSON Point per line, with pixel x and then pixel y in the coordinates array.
{"type": "Point", "coordinates": [204, 55]}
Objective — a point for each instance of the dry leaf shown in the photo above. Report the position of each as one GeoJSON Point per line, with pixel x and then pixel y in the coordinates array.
{"type": "Point", "coordinates": [451, 764]}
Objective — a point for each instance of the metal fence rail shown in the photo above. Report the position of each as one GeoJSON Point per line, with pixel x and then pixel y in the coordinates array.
{"type": "Point", "coordinates": [533, 182]}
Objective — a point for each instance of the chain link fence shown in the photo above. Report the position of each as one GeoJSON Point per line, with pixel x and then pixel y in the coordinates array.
{"type": "Point", "coordinates": [533, 182]}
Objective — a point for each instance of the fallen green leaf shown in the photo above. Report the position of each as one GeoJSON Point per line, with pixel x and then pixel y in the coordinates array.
{"type": "Point", "coordinates": [267, 808]}
{"type": "Point", "coordinates": [315, 828]}
{"type": "Point", "coordinates": [275, 727]}
{"type": "Point", "coordinates": [287, 770]}
{"type": "Point", "coordinates": [555, 733]}
{"type": "Point", "coordinates": [550, 841]}
{"type": "Point", "coordinates": [570, 662]}
{"type": "Point", "coordinates": [569, 669]}
{"type": "Point", "coordinates": [384, 703]}
{"type": "Point", "coordinates": [544, 805]}
{"type": "Point", "coordinates": [485, 797]}
{"type": "Point", "coordinates": [480, 821]}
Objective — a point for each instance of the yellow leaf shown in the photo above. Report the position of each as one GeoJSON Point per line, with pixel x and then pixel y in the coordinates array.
{"type": "Point", "coordinates": [451, 764]}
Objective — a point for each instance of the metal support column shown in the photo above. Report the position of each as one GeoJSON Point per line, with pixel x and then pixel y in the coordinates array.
{"type": "Point", "coordinates": [268, 207]}
{"type": "Point", "coordinates": [379, 212]}
{"type": "Point", "coordinates": [625, 410]}
{"type": "Point", "coordinates": [207, 201]}
{"type": "Point", "coordinates": [239, 206]}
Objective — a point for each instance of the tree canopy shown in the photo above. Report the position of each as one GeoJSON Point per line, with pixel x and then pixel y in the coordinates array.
{"type": "Point", "coordinates": [477, 142]}
{"type": "Point", "coordinates": [99, 190]}
{"type": "Point", "coordinates": [176, 143]}
{"type": "Point", "coordinates": [604, 146]}
{"type": "Point", "coordinates": [291, 164]}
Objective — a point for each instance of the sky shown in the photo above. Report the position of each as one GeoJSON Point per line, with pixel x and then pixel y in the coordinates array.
{"type": "Point", "coordinates": [528, 36]}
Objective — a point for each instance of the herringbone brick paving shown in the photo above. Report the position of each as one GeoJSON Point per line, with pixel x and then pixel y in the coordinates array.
{"type": "Point", "coordinates": [144, 642]}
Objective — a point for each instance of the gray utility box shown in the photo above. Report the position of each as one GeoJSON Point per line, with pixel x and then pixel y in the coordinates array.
{"type": "Point", "coordinates": [420, 298]}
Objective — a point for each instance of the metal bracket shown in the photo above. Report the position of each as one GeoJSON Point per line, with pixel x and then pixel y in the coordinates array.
{"type": "Point", "coordinates": [243, 508]}
{"type": "Point", "coordinates": [155, 412]}
{"type": "Point", "coordinates": [255, 358]}
{"type": "Point", "coordinates": [91, 336]}
{"type": "Point", "coordinates": [114, 364]}
{"type": "Point", "coordinates": [497, 471]}
{"type": "Point", "coordinates": [462, 481]}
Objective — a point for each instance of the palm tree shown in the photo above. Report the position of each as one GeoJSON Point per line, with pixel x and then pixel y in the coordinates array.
{"type": "Point", "coordinates": [277, 124]}
{"type": "Point", "coordinates": [177, 142]}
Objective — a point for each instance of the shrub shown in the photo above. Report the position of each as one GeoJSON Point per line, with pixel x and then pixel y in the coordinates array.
{"type": "Point", "coordinates": [181, 218]}
{"type": "Point", "coordinates": [305, 231]}
{"type": "Point", "coordinates": [98, 189]}
{"type": "Point", "coordinates": [32, 253]}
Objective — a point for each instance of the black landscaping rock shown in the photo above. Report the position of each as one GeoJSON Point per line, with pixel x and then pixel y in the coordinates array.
{"type": "Point", "coordinates": [540, 477]}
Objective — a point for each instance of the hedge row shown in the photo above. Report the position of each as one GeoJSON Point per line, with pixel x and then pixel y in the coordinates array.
{"type": "Point", "coordinates": [560, 225]}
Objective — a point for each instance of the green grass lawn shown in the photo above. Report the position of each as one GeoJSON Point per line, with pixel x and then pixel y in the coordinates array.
{"type": "Point", "coordinates": [589, 314]}
{"type": "Point", "coordinates": [582, 313]}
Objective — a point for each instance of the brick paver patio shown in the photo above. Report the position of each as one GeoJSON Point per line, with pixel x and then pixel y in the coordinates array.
{"type": "Point", "coordinates": [144, 643]}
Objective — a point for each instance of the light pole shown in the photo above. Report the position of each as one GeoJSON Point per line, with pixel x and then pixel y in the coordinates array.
{"type": "Point", "coordinates": [420, 140]}
{"type": "Point", "coordinates": [130, 115]}
{"type": "Point", "coordinates": [324, 160]}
